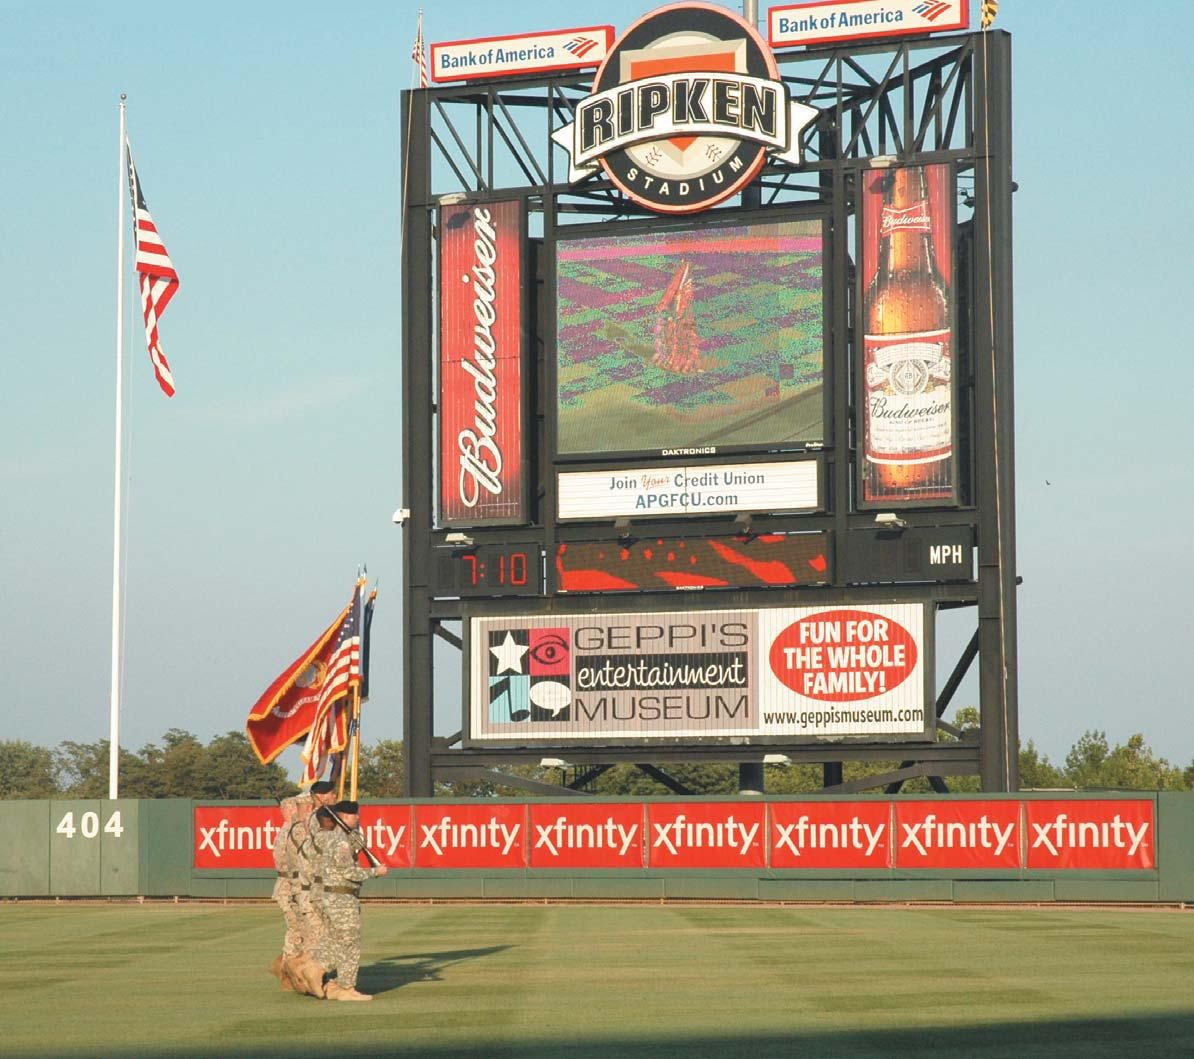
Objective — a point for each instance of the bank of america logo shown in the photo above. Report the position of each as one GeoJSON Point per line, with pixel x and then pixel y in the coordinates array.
{"type": "Point", "coordinates": [931, 10]}
{"type": "Point", "coordinates": [581, 46]}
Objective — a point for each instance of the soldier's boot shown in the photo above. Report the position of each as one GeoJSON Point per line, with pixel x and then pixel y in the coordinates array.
{"type": "Point", "coordinates": [284, 982]}
{"type": "Point", "coordinates": [275, 968]}
{"type": "Point", "coordinates": [290, 974]}
{"type": "Point", "coordinates": [304, 974]}
{"type": "Point", "coordinates": [335, 991]}
{"type": "Point", "coordinates": [311, 973]}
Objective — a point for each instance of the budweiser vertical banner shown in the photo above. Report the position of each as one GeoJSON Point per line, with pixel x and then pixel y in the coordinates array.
{"type": "Point", "coordinates": [481, 407]}
{"type": "Point", "coordinates": [907, 378]}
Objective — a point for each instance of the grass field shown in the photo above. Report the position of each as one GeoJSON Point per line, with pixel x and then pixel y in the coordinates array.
{"type": "Point", "coordinates": [589, 981]}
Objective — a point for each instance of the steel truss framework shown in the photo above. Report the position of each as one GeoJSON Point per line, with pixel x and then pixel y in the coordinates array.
{"type": "Point", "coordinates": [944, 99]}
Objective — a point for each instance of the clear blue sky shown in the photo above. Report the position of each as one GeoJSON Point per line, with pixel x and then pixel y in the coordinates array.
{"type": "Point", "coordinates": [266, 137]}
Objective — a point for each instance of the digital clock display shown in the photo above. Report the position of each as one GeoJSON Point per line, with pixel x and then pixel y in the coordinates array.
{"type": "Point", "coordinates": [490, 570]}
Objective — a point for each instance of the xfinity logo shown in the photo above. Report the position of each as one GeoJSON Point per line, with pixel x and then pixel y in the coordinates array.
{"type": "Point", "coordinates": [1062, 833]}
{"type": "Point", "coordinates": [445, 835]}
{"type": "Point", "coordinates": [807, 835]}
{"type": "Point", "coordinates": [682, 834]}
{"type": "Point", "coordinates": [931, 833]}
{"type": "Point", "coordinates": [224, 836]}
{"type": "Point", "coordinates": [684, 111]}
{"type": "Point", "coordinates": [562, 835]}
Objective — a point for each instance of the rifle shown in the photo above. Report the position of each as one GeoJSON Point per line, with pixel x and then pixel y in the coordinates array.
{"type": "Point", "coordinates": [357, 842]}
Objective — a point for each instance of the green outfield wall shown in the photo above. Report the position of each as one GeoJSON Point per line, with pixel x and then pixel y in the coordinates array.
{"type": "Point", "coordinates": [1121, 847]}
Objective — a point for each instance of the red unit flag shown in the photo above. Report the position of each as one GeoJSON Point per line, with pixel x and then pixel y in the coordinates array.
{"type": "Point", "coordinates": [481, 402]}
{"type": "Point", "coordinates": [305, 690]}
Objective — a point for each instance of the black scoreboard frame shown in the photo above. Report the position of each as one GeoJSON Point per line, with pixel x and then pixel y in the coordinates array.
{"type": "Point", "coordinates": [894, 102]}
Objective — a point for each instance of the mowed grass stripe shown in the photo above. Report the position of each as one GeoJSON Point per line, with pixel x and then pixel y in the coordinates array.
{"type": "Point", "coordinates": [600, 980]}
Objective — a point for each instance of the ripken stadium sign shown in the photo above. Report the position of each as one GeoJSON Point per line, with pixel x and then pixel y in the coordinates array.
{"type": "Point", "coordinates": [684, 111]}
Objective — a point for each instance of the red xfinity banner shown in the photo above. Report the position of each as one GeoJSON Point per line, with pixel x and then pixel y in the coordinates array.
{"type": "Point", "coordinates": [470, 836]}
{"type": "Point", "coordinates": [1100, 835]}
{"type": "Point", "coordinates": [943, 834]}
{"type": "Point", "coordinates": [830, 834]}
{"type": "Point", "coordinates": [236, 836]}
{"type": "Point", "coordinates": [243, 836]}
{"type": "Point", "coordinates": [706, 835]}
{"type": "Point", "coordinates": [601, 835]}
{"type": "Point", "coordinates": [481, 457]}
{"type": "Point", "coordinates": [878, 833]}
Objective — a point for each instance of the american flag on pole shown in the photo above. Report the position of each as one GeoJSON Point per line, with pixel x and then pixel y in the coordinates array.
{"type": "Point", "coordinates": [419, 54]}
{"type": "Point", "coordinates": [329, 733]}
{"type": "Point", "coordinates": [158, 279]}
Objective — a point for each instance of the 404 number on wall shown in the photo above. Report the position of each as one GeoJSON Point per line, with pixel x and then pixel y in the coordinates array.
{"type": "Point", "coordinates": [89, 824]}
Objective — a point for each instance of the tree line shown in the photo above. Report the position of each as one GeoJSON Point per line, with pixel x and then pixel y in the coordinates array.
{"type": "Point", "coordinates": [181, 766]}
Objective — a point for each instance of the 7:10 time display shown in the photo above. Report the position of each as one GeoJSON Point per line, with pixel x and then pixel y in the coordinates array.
{"type": "Point", "coordinates": [489, 570]}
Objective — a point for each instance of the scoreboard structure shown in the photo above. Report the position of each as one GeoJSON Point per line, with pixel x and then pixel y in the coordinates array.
{"type": "Point", "coordinates": [707, 400]}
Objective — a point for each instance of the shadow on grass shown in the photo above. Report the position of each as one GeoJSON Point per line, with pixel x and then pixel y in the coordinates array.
{"type": "Point", "coordinates": [393, 972]}
{"type": "Point", "coordinates": [1154, 1035]}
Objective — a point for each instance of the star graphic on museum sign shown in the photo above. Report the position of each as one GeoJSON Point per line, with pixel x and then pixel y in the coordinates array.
{"type": "Point", "coordinates": [509, 655]}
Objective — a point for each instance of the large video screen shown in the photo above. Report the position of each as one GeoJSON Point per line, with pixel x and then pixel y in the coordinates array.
{"type": "Point", "coordinates": [686, 341]}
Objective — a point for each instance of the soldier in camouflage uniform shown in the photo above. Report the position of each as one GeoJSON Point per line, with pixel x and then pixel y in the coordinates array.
{"type": "Point", "coordinates": [302, 858]}
{"type": "Point", "coordinates": [302, 849]}
{"type": "Point", "coordinates": [285, 889]}
{"type": "Point", "coordinates": [340, 950]}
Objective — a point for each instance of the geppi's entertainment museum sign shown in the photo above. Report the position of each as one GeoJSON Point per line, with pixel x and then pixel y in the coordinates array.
{"type": "Point", "coordinates": [799, 673]}
{"type": "Point", "coordinates": [684, 111]}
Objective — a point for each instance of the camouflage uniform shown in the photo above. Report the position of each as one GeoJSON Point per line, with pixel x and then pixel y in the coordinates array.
{"type": "Point", "coordinates": [285, 890]}
{"type": "Point", "coordinates": [310, 904]}
{"type": "Point", "coordinates": [340, 949]}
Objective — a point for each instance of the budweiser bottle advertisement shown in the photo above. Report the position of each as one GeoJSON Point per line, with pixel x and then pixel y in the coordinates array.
{"type": "Point", "coordinates": [906, 384]}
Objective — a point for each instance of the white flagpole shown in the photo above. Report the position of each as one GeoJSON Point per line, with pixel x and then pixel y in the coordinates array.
{"type": "Point", "coordinates": [114, 718]}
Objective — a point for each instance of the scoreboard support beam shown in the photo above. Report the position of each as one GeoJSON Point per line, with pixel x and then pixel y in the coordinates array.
{"type": "Point", "coordinates": [994, 420]}
{"type": "Point", "coordinates": [417, 490]}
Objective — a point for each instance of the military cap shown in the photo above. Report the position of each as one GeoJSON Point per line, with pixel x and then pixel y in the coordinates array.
{"type": "Point", "coordinates": [323, 813]}
{"type": "Point", "coordinates": [321, 787]}
{"type": "Point", "coordinates": [346, 806]}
